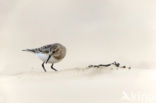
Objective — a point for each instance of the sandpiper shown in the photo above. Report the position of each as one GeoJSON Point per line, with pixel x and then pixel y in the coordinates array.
{"type": "Point", "coordinates": [51, 53]}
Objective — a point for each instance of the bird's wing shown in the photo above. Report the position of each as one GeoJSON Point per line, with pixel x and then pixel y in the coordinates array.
{"type": "Point", "coordinates": [44, 49]}
{"type": "Point", "coordinates": [47, 49]}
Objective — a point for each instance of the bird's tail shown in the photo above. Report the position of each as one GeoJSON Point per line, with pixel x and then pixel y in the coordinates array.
{"type": "Point", "coordinates": [29, 50]}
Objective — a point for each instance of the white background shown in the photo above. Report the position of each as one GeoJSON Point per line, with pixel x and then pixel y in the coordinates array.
{"type": "Point", "coordinates": [94, 31]}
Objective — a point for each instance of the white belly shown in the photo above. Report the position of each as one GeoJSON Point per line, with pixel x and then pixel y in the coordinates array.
{"type": "Point", "coordinates": [44, 58]}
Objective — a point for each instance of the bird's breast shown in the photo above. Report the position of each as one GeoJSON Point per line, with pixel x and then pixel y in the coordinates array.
{"type": "Point", "coordinates": [44, 58]}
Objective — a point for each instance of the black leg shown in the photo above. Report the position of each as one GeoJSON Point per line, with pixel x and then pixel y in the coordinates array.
{"type": "Point", "coordinates": [53, 68]}
{"type": "Point", "coordinates": [48, 59]}
{"type": "Point", "coordinates": [43, 67]}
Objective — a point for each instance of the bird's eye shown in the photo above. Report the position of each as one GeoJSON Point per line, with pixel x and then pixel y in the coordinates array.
{"type": "Point", "coordinates": [54, 51]}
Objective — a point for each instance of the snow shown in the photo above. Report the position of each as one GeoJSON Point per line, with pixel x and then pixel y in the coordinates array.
{"type": "Point", "coordinates": [80, 85]}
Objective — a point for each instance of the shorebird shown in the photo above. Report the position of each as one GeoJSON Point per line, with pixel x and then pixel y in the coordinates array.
{"type": "Point", "coordinates": [51, 53]}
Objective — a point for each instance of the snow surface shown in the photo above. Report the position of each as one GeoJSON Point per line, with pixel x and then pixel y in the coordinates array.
{"type": "Point", "coordinates": [80, 85]}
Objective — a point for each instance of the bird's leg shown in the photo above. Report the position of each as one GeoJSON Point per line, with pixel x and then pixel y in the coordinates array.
{"type": "Point", "coordinates": [43, 67]}
{"type": "Point", "coordinates": [48, 58]}
{"type": "Point", "coordinates": [53, 67]}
